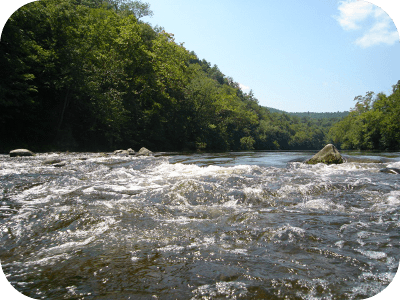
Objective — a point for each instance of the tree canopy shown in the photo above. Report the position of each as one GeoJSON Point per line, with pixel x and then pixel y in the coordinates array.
{"type": "Point", "coordinates": [373, 124]}
{"type": "Point", "coordinates": [89, 75]}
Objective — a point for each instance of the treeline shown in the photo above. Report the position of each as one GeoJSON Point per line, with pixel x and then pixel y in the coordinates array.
{"type": "Point", "coordinates": [88, 75]}
{"type": "Point", "coordinates": [313, 115]}
{"type": "Point", "coordinates": [373, 124]}
{"type": "Point", "coordinates": [323, 115]}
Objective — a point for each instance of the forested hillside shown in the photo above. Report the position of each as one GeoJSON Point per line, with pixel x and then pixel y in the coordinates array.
{"type": "Point", "coordinates": [373, 124]}
{"type": "Point", "coordinates": [313, 115]}
{"type": "Point", "coordinates": [88, 75]}
{"type": "Point", "coordinates": [323, 115]}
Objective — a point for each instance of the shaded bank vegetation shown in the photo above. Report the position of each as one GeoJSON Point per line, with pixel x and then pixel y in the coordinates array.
{"type": "Point", "coordinates": [89, 75]}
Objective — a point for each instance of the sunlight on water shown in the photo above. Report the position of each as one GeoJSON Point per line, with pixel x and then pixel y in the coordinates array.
{"type": "Point", "coordinates": [198, 226]}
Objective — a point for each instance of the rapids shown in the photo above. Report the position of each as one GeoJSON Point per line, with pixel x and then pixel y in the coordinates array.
{"type": "Point", "coordinates": [246, 225]}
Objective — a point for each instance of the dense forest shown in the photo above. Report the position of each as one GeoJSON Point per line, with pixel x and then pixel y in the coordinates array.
{"type": "Point", "coordinates": [89, 75]}
{"type": "Point", "coordinates": [373, 124]}
{"type": "Point", "coordinates": [313, 115]}
{"type": "Point", "coordinates": [322, 115]}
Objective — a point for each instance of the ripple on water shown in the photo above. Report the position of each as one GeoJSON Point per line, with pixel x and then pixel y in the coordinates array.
{"type": "Point", "coordinates": [200, 228]}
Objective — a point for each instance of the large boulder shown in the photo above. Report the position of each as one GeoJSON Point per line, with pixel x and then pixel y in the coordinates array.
{"type": "Point", "coordinates": [328, 155]}
{"type": "Point", "coordinates": [21, 152]}
{"type": "Point", "coordinates": [144, 152]}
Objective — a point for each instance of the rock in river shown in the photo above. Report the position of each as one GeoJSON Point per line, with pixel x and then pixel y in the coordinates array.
{"type": "Point", "coordinates": [328, 155]}
{"type": "Point", "coordinates": [390, 170]}
{"type": "Point", "coordinates": [121, 152]}
{"type": "Point", "coordinates": [52, 161]}
{"type": "Point", "coordinates": [124, 152]}
{"type": "Point", "coordinates": [144, 152]}
{"type": "Point", "coordinates": [21, 152]}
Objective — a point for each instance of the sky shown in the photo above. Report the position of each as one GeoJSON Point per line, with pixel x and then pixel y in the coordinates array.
{"type": "Point", "coordinates": [296, 56]}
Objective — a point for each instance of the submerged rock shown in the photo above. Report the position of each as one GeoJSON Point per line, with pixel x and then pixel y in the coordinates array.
{"type": "Point", "coordinates": [144, 152]}
{"type": "Point", "coordinates": [328, 155]}
{"type": "Point", "coordinates": [121, 152]}
{"type": "Point", "coordinates": [21, 152]}
{"type": "Point", "coordinates": [60, 164]}
{"type": "Point", "coordinates": [130, 151]}
{"type": "Point", "coordinates": [390, 170]}
{"type": "Point", "coordinates": [52, 161]}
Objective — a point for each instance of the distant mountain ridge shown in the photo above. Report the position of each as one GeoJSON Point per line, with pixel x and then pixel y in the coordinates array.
{"type": "Point", "coordinates": [314, 115]}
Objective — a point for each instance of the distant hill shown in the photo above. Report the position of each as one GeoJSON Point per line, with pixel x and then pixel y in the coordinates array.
{"type": "Point", "coordinates": [313, 115]}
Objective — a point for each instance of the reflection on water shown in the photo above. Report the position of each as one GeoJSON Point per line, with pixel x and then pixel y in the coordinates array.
{"type": "Point", "coordinates": [243, 225]}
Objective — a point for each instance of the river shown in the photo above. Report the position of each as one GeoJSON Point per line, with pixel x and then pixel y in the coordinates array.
{"type": "Point", "coordinates": [237, 225]}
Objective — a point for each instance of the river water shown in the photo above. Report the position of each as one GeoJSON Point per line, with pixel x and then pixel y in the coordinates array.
{"type": "Point", "coordinates": [247, 225]}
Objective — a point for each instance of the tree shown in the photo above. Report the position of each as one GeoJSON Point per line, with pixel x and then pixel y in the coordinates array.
{"type": "Point", "coordinates": [372, 124]}
{"type": "Point", "coordinates": [364, 104]}
{"type": "Point", "coordinates": [247, 143]}
{"type": "Point", "coordinates": [137, 8]}
{"type": "Point", "coordinates": [89, 75]}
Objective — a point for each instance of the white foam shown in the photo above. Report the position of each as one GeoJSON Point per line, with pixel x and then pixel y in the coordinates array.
{"type": "Point", "coordinates": [385, 277]}
{"type": "Point", "coordinates": [392, 201]}
{"type": "Point", "coordinates": [180, 220]}
{"type": "Point", "coordinates": [50, 260]}
{"type": "Point", "coordinates": [254, 193]}
{"type": "Point", "coordinates": [230, 290]}
{"type": "Point", "coordinates": [340, 244]}
{"type": "Point", "coordinates": [135, 258]}
{"type": "Point", "coordinates": [190, 170]}
{"type": "Point", "coordinates": [372, 254]}
{"type": "Point", "coordinates": [239, 251]}
{"type": "Point", "coordinates": [79, 238]}
{"type": "Point", "coordinates": [231, 203]}
{"type": "Point", "coordinates": [393, 198]}
{"type": "Point", "coordinates": [321, 204]}
{"type": "Point", "coordinates": [394, 165]}
{"type": "Point", "coordinates": [171, 248]}
{"type": "Point", "coordinates": [66, 247]}
{"type": "Point", "coordinates": [88, 190]}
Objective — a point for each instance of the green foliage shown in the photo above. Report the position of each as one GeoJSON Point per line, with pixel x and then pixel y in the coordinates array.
{"type": "Point", "coordinates": [324, 115]}
{"type": "Point", "coordinates": [247, 143]}
{"type": "Point", "coordinates": [312, 115]}
{"type": "Point", "coordinates": [372, 124]}
{"type": "Point", "coordinates": [127, 7]}
{"type": "Point", "coordinates": [89, 75]}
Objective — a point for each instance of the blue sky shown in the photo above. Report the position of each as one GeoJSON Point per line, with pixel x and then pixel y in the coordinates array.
{"type": "Point", "coordinates": [295, 55]}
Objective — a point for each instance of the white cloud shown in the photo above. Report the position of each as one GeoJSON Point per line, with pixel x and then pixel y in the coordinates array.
{"type": "Point", "coordinates": [353, 15]}
{"type": "Point", "coordinates": [244, 88]}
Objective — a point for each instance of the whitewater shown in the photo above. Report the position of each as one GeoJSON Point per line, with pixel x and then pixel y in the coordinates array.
{"type": "Point", "coordinates": [235, 225]}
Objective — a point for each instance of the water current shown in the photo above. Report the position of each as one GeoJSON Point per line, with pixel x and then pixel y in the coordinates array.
{"type": "Point", "coordinates": [247, 225]}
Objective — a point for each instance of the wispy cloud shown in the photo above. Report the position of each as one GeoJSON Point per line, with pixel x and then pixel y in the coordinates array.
{"type": "Point", "coordinates": [353, 15]}
{"type": "Point", "coordinates": [244, 88]}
